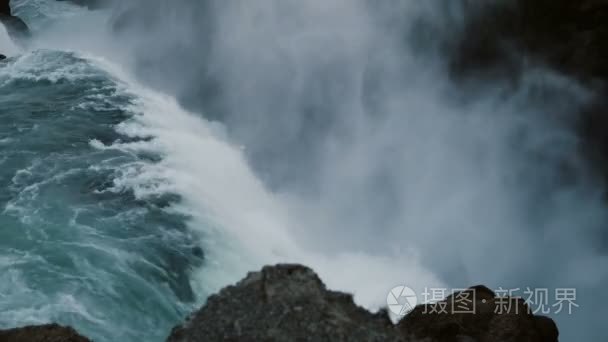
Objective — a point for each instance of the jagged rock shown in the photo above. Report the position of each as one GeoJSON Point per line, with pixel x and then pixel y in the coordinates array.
{"type": "Point", "coordinates": [43, 333]}
{"type": "Point", "coordinates": [282, 303]}
{"type": "Point", "coordinates": [478, 315]}
{"type": "Point", "coordinates": [289, 302]}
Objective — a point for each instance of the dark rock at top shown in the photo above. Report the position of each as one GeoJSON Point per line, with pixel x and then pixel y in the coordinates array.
{"type": "Point", "coordinates": [16, 27]}
{"type": "Point", "coordinates": [5, 7]}
{"type": "Point", "coordinates": [501, 37]}
{"type": "Point", "coordinates": [43, 333]}
{"type": "Point", "coordinates": [567, 35]}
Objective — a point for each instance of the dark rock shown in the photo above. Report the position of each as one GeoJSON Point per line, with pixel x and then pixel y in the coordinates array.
{"type": "Point", "coordinates": [479, 316]}
{"type": "Point", "coordinates": [501, 37]}
{"type": "Point", "coordinates": [567, 35]}
{"type": "Point", "coordinates": [16, 27]}
{"type": "Point", "coordinates": [43, 333]}
{"type": "Point", "coordinates": [5, 7]}
{"type": "Point", "coordinates": [2, 57]}
{"type": "Point", "coordinates": [546, 328]}
{"type": "Point", "coordinates": [284, 303]}
{"type": "Point", "coordinates": [289, 302]}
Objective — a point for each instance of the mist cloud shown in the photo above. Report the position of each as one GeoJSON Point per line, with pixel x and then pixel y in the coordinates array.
{"type": "Point", "coordinates": [349, 117]}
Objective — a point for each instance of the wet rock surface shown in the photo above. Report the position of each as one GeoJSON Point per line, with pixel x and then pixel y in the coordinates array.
{"type": "Point", "coordinates": [43, 333]}
{"type": "Point", "coordinates": [477, 314]}
{"type": "Point", "coordinates": [282, 303]}
{"type": "Point", "coordinates": [290, 302]}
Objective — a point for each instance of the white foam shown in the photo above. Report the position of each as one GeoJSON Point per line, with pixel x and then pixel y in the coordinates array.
{"type": "Point", "coordinates": [243, 225]}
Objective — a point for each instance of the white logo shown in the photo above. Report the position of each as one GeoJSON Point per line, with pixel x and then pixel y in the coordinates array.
{"type": "Point", "coordinates": [401, 300]}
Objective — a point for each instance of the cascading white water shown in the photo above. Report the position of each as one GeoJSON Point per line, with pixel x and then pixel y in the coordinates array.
{"type": "Point", "coordinates": [244, 226]}
{"type": "Point", "coordinates": [340, 147]}
{"type": "Point", "coordinates": [369, 149]}
{"type": "Point", "coordinates": [7, 46]}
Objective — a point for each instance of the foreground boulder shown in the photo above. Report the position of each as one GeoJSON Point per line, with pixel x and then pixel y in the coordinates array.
{"type": "Point", "coordinates": [290, 302]}
{"type": "Point", "coordinates": [476, 314]}
{"type": "Point", "coordinates": [284, 303]}
{"type": "Point", "coordinates": [43, 333]}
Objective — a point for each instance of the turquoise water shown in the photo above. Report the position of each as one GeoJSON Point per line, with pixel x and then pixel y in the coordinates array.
{"type": "Point", "coordinates": [76, 246]}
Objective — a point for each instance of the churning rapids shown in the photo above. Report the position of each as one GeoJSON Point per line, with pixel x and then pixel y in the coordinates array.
{"type": "Point", "coordinates": [337, 146]}
{"type": "Point", "coordinates": [88, 237]}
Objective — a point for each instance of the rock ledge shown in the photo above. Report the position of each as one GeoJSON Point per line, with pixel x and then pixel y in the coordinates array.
{"type": "Point", "coordinates": [289, 302]}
